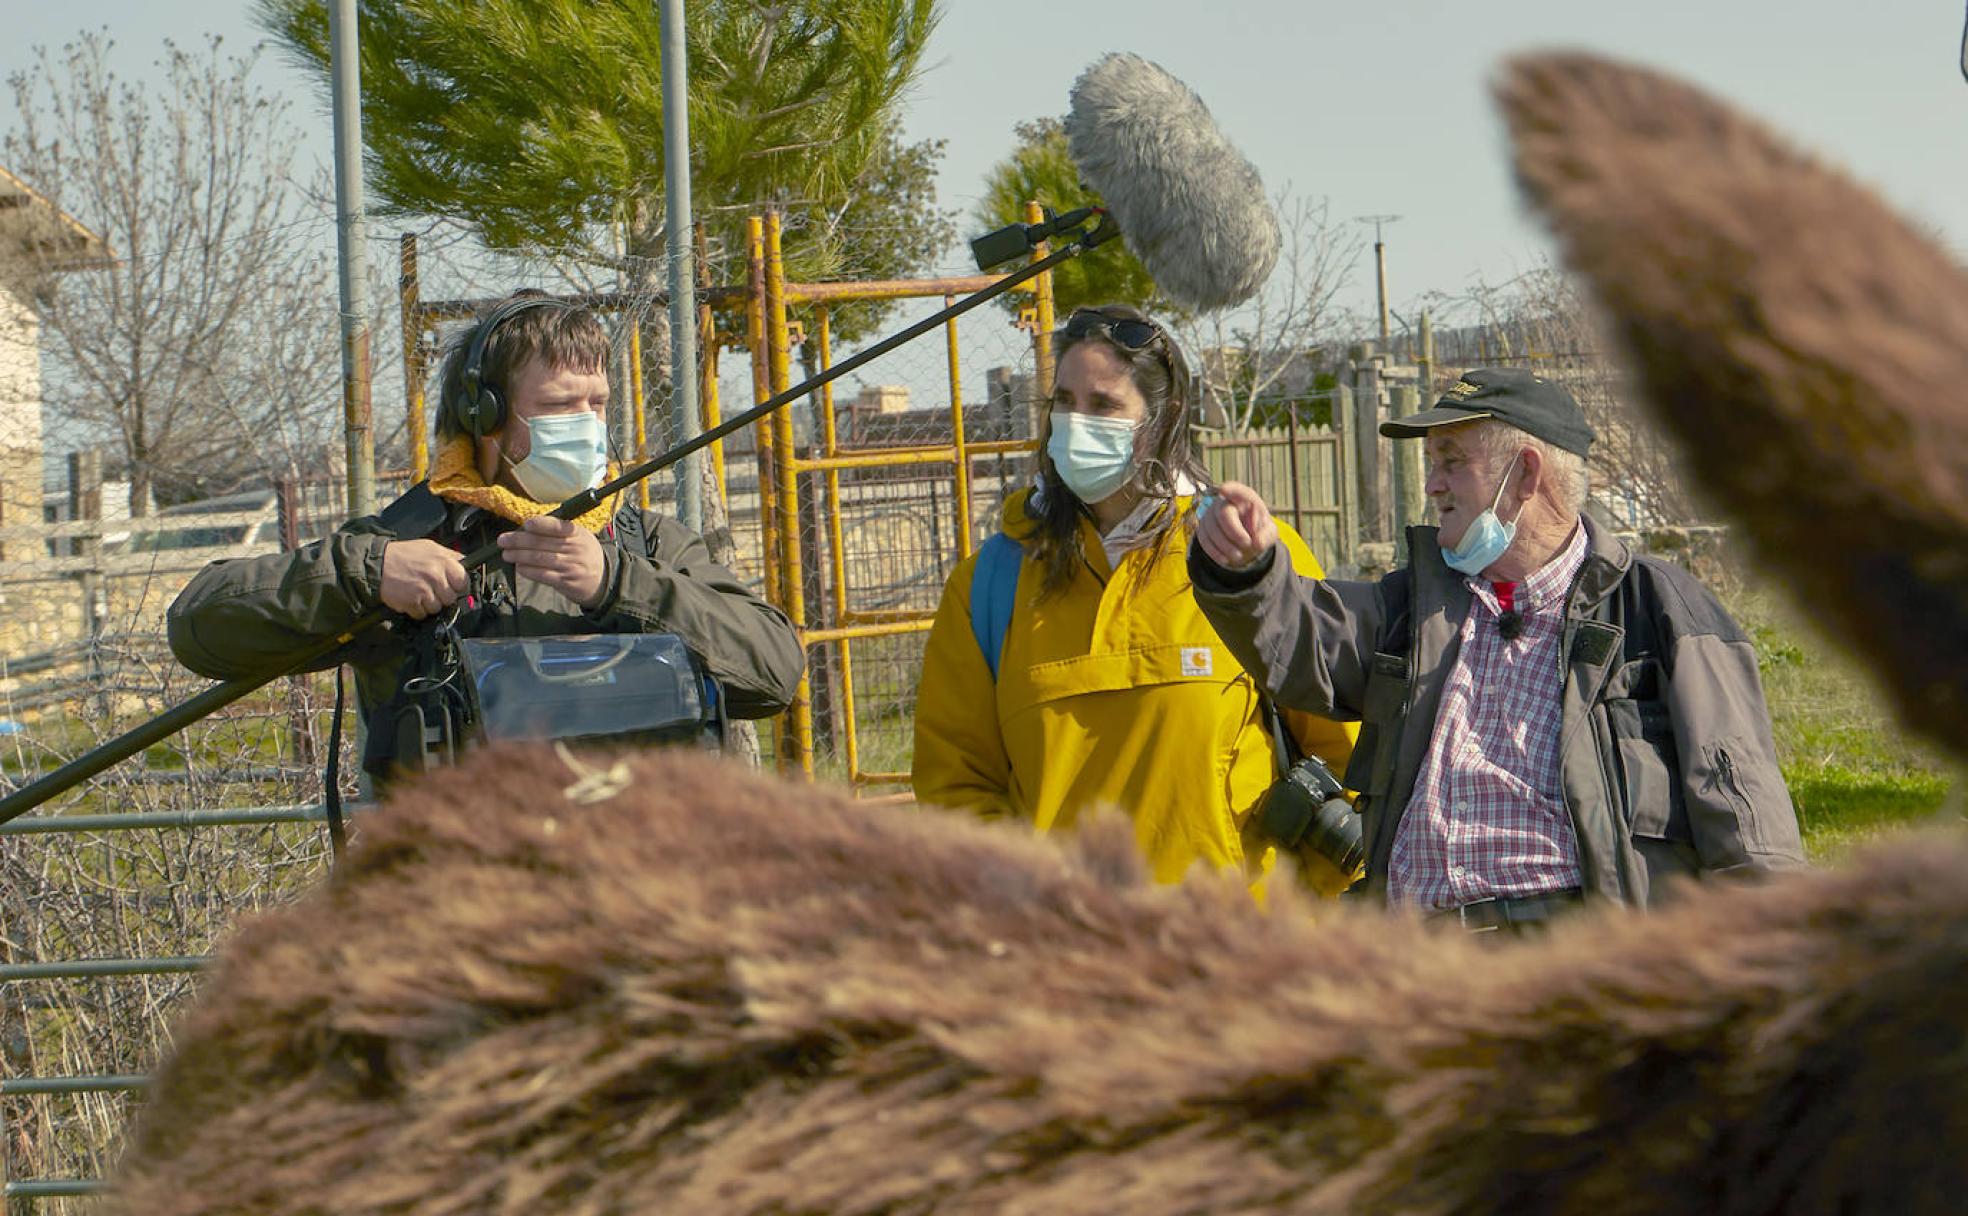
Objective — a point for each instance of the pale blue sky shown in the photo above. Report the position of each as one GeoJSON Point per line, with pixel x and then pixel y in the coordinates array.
{"type": "Point", "coordinates": [1381, 106]}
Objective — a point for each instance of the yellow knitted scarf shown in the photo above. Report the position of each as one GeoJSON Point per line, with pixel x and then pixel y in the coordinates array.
{"type": "Point", "coordinates": [456, 479]}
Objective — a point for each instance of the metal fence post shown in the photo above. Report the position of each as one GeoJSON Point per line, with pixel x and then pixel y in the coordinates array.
{"type": "Point", "coordinates": [1370, 462]}
{"type": "Point", "coordinates": [1425, 361]}
{"type": "Point", "coordinates": [792, 588]}
{"type": "Point", "coordinates": [707, 391]}
{"type": "Point", "coordinates": [761, 390]}
{"type": "Point", "coordinates": [1344, 490]}
{"type": "Point", "coordinates": [1406, 459]}
{"type": "Point", "coordinates": [1042, 315]}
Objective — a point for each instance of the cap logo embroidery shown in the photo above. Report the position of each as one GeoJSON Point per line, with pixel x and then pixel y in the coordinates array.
{"type": "Point", "coordinates": [1462, 389]}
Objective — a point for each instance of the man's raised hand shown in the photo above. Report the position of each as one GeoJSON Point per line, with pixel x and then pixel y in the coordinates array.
{"type": "Point", "coordinates": [1237, 529]}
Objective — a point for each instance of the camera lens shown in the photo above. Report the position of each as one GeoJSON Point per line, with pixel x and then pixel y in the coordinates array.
{"type": "Point", "coordinates": [1335, 835]}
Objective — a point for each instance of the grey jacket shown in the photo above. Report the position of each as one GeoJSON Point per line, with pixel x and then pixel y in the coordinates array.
{"type": "Point", "coordinates": [1666, 760]}
{"type": "Point", "coordinates": [251, 616]}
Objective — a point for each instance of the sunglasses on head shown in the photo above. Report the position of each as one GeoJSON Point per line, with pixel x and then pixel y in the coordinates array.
{"type": "Point", "coordinates": [1123, 331]}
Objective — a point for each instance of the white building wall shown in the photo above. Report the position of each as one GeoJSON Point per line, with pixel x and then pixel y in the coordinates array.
{"type": "Point", "coordinates": [20, 408]}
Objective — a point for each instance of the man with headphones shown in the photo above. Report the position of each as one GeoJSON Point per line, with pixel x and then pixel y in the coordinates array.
{"type": "Point", "coordinates": [522, 425]}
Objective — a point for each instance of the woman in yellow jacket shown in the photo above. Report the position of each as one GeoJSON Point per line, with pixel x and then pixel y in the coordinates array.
{"type": "Point", "coordinates": [1108, 687]}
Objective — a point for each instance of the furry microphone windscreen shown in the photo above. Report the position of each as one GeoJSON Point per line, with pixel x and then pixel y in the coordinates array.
{"type": "Point", "coordinates": [1187, 202]}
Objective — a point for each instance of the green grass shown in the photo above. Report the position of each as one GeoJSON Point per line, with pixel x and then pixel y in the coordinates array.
{"type": "Point", "coordinates": [1854, 771]}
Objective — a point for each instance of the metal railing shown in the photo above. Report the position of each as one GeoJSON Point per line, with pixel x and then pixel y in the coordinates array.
{"type": "Point", "coordinates": [30, 1189]}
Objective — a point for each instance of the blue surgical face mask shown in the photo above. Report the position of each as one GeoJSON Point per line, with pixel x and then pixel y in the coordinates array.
{"type": "Point", "coordinates": [1094, 456]}
{"type": "Point", "coordinates": [569, 454]}
{"type": "Point", "coordinates": [1486, 539]}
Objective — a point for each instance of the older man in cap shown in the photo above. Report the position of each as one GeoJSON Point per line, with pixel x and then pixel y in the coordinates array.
{"type": "Point", "coordinates": [1548, 717]}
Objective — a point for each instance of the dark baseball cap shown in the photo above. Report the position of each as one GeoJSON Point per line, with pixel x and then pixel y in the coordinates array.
{"type": "Point", "coordinates": [1512, 395]}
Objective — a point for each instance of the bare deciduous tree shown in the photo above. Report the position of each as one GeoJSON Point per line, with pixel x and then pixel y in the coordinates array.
{"type": "Point", "coordinates": [205, 352]}
{"type": "Point", "coordinates": [1265, 350]}
{"type": "Point", "coordinates": [1543, 320]}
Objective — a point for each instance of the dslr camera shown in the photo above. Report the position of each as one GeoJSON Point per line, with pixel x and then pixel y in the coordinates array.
{"type": "Point", "coordinates": [1307, 808]}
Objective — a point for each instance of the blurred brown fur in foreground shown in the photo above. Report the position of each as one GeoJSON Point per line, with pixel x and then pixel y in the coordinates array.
{"type": "Point", "coordinates": [713, 992]}
{"type": "Point", "coordinates": [1808, 346]}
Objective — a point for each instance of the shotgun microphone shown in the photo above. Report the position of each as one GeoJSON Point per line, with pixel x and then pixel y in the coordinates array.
{"type": "Point", "coordinates": [1186, 201]}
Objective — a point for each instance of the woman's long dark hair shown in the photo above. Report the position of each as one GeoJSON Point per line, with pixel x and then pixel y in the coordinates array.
{"type": "Point", "coordinates": [1163, 450]}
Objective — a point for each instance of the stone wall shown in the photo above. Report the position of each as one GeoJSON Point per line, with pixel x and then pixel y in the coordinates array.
{"type": "Point", "coordinates": [47, 619]}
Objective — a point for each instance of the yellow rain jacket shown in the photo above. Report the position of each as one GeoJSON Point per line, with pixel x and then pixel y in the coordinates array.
{"type": "Point", "coordinates": [1113, 692]}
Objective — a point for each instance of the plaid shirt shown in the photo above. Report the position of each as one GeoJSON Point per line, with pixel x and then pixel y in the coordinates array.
{"type": "Point", "coordinates": [1487, 817]}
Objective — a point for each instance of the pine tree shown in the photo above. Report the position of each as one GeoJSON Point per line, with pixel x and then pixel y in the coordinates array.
{"type": "Point", "coordinates": [539, 123]}
{"type": "Point", "coordinates": [1040, 169]}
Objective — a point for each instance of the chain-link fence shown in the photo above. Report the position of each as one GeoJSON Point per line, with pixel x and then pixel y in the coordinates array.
{"type": "Point", "coordinates": [871, 498]}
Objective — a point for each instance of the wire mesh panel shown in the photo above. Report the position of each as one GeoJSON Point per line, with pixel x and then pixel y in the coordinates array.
{"type": "Point", "coordinates": [72, 1045]}
{"type": "Point", "coordinates": [79, 1032]}
{"type": "Point", "coordinates": [898, 482]}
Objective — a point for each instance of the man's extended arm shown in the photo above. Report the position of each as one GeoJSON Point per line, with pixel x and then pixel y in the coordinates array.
{"type": "Point", "coordinates": [1306, 641]}
{"type": "Point", "coordinates": [253, 616]}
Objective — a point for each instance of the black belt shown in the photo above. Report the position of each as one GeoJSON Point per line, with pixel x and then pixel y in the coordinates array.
{"type": "Point", "coordinates": [1514, 913]}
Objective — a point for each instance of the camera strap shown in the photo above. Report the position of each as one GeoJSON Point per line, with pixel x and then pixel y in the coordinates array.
{"type": "Point", "coordinates": [332, 781]}
{"type": "Point", "coordinates": [1288, 750]}
{"type": "Point", "coordinates": [629, 532]}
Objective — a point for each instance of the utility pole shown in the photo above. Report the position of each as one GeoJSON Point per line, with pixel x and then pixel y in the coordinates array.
{"type": "Point", "coordinates": [1425, 360]}
{"type": "Point", "coordinates": [351, 241]}
{"type": "Point", "coordinates": [1380, 266]}
{"type": "Point", "coordinates": [683, 275]}
{"type": "Point", "coordinates": [351, 235]}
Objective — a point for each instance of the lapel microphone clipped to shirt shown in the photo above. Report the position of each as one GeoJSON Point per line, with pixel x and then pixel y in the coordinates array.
{"type": "Point", "coordinates": [1510, 622]}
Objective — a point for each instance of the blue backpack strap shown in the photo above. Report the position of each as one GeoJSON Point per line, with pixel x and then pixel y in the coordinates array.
{"type": "Point", "coordinates": [993, 590]}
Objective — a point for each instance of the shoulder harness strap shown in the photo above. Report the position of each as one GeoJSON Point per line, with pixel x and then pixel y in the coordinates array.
{"type": "Point", "coordinates": [416, 514]}
{"type": "Point", "coordinates": [629, 532]}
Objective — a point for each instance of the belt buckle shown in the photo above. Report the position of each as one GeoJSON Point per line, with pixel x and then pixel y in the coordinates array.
{"type": "Point", "coordinates": [1462, 916]}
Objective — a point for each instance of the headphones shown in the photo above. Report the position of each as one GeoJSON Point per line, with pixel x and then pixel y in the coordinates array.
{"type": "Point", "coordinates": [479, 409]}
